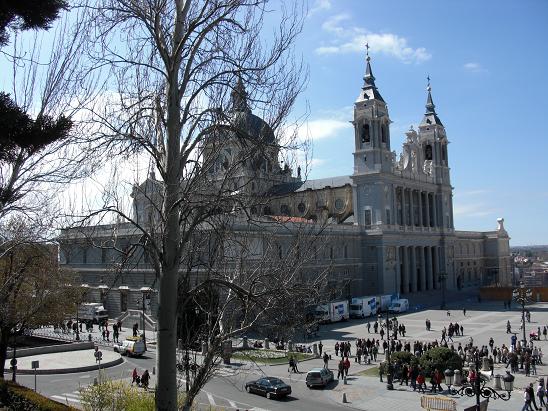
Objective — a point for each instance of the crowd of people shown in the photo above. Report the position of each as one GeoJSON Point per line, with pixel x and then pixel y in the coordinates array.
{"type": "Point", "coordinates": [140, 380]}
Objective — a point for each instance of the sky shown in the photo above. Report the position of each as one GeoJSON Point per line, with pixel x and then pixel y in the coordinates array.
{"type": "Point", "coordinates": [488, 64]}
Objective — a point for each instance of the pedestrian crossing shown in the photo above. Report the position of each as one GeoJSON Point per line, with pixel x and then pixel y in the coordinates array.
{"type": "Point", "coordinates": [205, 400]}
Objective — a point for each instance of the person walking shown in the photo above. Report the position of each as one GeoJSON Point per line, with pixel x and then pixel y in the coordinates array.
{"type": "Point", "coordinates": [541, 392]}
{"type": "Point", "coordinates": [421, 382]}
{"type": "Point", "coordinates": [464, 311]}
{"type": "Point", "coordinates": [134, 377]}
{"type": "Point", "coordinates": [145, 379]}
{"type": "Point", "coordinates": [340, 369]}
{"type": "Point", "coordinates": [531, 391]}
{"type": "Point", "coordinates": [369, 328]}
{"type": "Point", "coordinates": [346, 365]}
{"type": "Point", "coordinates": [325, 360]}
{"type": "Point", "coordinates": [320, 347]}
{"type": "Point", "coordinates": [526, 401]}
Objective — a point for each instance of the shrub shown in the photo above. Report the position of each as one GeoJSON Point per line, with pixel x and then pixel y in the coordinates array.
{"type": "Point", "coordinates": [21, 398]}
{"type": "Point", "coordinates": [118, 395]}
{"type": "Point", "coordinates": [441, 358]}
{"type": "Point", "coordinates": [404, 357]}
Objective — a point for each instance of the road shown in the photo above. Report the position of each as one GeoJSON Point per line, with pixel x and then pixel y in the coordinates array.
{"type": "Point", "coordinates": [226, 389]}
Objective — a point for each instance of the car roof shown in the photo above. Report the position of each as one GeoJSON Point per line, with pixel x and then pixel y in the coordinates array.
{"type": "Point", "coordinates": [319, 369]}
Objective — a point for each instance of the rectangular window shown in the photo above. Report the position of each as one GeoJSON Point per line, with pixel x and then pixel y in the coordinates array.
{"type": "Point", "coordinates": [367, 218]}
{"type": "Point", "coordinates": [104, 252]}
{"type": "Point", "coordinates": [388, 216]}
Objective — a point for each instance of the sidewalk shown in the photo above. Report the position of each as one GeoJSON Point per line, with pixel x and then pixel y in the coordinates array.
{"type": "Point", "coordinates": [96, 335]}
{"type": "Point", "coordinates": [67, 362]}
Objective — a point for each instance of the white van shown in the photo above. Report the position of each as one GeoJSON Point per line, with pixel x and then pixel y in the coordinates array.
{"type": "Point", "coordinates": [131, 346]}
{"type": "Point", "coordinates": [399, 306]}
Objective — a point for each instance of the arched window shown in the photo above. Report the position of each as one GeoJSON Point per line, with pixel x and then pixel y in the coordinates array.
{"type": "Point", "coordinates": [284, 209]}
{"type": "Point", "coordinates": [383, 134]}
{"type": "Point", "coordinates": [366, 136]}
{"type": "Point", "coordinates": [428, 152]}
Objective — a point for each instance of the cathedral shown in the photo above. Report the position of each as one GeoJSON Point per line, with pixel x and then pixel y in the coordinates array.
{"type": "Point", "coordinates": [390, 223]}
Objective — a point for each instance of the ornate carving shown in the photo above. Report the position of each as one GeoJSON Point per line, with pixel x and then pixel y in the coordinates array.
{"type": "Point", "coordinates": [427, 167]}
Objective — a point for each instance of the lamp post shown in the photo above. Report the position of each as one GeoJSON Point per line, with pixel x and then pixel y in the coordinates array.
{"type": "Point", "coordinates": [478, 388]}
{"type": "Point", "coordinates": [389, 384]}
{"type": "Point", "coordinates": [145, 291]}
{"type": "Point", "coordinates": [522, 296]}
{"type": "Point", "coordinates": [442, 278]}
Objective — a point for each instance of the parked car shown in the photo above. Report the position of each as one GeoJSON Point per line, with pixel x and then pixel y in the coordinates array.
{"type": "Point", "coordinates": [131, 346]}
{"type": "Point", "coordinates": [319, 377]}
{"type": "Point", "coordinates": [270, 387]}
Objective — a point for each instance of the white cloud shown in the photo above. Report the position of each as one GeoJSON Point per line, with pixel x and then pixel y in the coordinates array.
{"type": "Point", "coordinates": [474, 68]}
{"type": "Point", "coordinates": [320, 5]}
{"type": "Point", "coordinates": [323, 128]}
{"type": "Point", "coordinates": [352, 39]}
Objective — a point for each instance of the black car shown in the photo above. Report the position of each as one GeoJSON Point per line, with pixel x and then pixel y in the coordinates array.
{"type": "Point", "coordinates": [269, 387]}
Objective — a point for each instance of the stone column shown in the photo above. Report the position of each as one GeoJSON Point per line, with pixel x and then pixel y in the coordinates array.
{"type": "Point", "coordinates": [413, 269]}
{"type": "Point", "coordinates": [412, 224]}
{"type": "Point", "coordinates": [435, 264]}
{"type": "Point", "coordinates": [421, 219]}
{"type": "Point", "coordinates": [427, 195]}
{"type": "Point", "coordinates": [423, 272]}
{"type": "Point", "coordinates": [429, 283]}
{"type": "Point", "coordinates": [434, 208]}
{"type": "Point", "coordinates": [405, 270]}
{"type": "Point", "coordinates": [397, 269]}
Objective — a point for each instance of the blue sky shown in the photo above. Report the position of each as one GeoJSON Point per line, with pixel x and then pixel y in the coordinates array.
{"type": "Point", "coordinates": [488, 63]}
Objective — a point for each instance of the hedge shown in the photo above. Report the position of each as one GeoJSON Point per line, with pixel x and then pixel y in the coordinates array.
{"type": "Point", "coordinates": [20, 398]}
{"type": "Point", "coordinates": [405, 357]}
{"type": "Point", "coordinates": [441, 358]}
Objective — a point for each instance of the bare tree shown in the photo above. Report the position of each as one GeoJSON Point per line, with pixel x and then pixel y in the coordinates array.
{"type": "Point", "coordinates": [34, 291]}
{"type": "Point", "coordinates": [40, 148]}
{"type": "Point", "coordinates": [171, 68]}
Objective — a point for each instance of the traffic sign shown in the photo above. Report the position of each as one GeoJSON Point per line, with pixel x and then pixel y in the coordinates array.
{"type": "Point", "coordinates": [35, 364]}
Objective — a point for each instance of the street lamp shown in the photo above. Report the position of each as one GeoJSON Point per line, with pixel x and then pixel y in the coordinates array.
{"type": "Point", "coordinates": [145, 291]}
{"type": "Point", "coordinates": [389, 384]}
{"type": "Point", "coordinates": [442, 278]}
{"type": "Point", "coordinates": [478, 388]}
{"type": "Point", "coordinates": [522, 296]}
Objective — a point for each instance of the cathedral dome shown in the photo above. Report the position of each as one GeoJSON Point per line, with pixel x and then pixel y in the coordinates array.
{"type": "Point", "coordinates": [252, 127]}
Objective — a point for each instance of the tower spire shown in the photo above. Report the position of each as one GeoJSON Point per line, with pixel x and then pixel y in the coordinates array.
{"type": "Point", "coordinates": [369, 88]}
{"type": "Point", "coordinates": [239, 97]}
{"type": "Point", "coordinates": [430, 106]}
{"type": "Point", "coordinates": [430, 117]}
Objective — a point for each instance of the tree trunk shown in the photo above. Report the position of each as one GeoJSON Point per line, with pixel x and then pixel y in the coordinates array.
{"type": "Point", "coordinates": [166, 358]}
{"type": "Point", "coordinates": [4, 343]}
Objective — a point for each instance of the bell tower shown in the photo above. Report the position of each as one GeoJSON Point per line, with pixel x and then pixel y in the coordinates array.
{"type": "Point", "coordinates": [371, 128]}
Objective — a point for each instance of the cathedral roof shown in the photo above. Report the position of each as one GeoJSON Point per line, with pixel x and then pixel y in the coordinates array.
{"type": "Point", "coordinates": [318, 184]}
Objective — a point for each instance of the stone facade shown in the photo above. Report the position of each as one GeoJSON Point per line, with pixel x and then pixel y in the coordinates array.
{"type": "Point", "coordinates": [389, 225]}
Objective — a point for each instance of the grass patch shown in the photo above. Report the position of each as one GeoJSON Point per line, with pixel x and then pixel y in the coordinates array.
{"type": "Point", "coordinates": [370, 372]}
{"type": "Point", "coordinates": [269, 356]}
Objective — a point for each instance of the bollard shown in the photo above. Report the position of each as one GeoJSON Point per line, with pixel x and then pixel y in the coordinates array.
{"type": "Point", "coordinates": [344, 400]}
{"type": "Point", "coordinates": [345, 380]}
{"type": "Point", "coordinates": [266, 344]}
{"type": "Point", "coordinates": [458, 378]}
{"type": "Point", "coordinates": [498, 385]}
{"type": "Point", "coordinates": [245, 343]}
{"type": "Point", "coordinates": [153, 370]}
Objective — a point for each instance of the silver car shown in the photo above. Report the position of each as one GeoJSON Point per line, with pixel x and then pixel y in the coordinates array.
{"type": "Point", "coordinates": [319, 377]}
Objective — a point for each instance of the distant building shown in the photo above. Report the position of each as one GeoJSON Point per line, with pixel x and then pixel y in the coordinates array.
{"type": "Point", "coordinates": [390, 223]}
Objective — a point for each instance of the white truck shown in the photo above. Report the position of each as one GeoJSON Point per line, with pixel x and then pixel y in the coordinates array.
{"type": "Point", "coordinates": [399, 306]}
{"type": "Point", "coordinates": [361, 307]}
{"type": "Point", "coordinates": [384, 301]}
{"type": "Point", "coordinates": [332, 312]}
{"type": "Point", "coordinates": [94, 312]}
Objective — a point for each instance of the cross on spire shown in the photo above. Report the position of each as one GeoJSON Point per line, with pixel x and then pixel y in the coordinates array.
{"type": "Point", "coordinates": [367, 50]}
{"type": "Point", "coordinates": [428, 86]}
